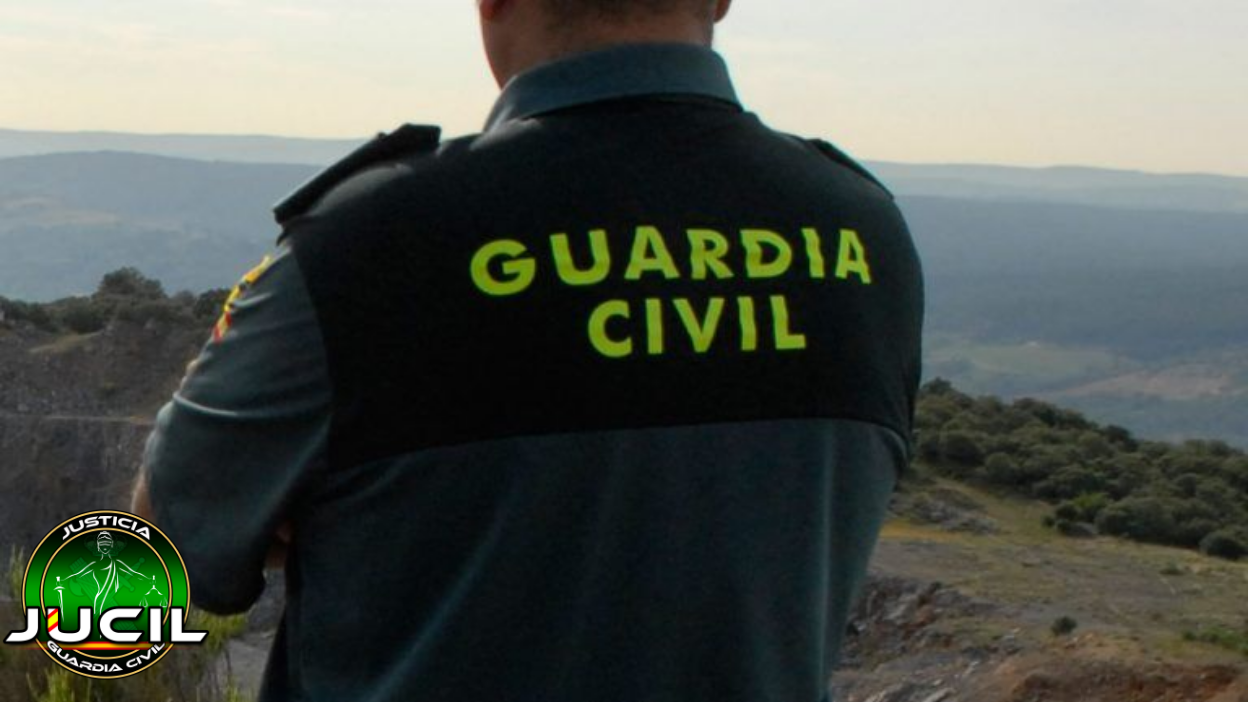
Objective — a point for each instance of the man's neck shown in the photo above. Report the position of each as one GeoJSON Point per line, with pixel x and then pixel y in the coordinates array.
{"type": "Point", "coordinates": [614, 35]}
{"type": "Point", "coordinates": [559, 45]}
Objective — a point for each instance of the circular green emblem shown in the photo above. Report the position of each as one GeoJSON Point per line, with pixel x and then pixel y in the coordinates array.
{"type": "Point", "coordinates": [108, 593]}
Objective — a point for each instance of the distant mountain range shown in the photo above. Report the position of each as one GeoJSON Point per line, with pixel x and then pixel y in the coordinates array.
{"type": "Point", "coordinates": [239, 149]}
{"type": "Point", "coordinates": [1123, 294]}
{"type": "Point", "coordinates": [1065, 184]}
{"type": "Point", "coordinates": [66, 219]}
{"type": "Point", "coordinates": [1098, 187]}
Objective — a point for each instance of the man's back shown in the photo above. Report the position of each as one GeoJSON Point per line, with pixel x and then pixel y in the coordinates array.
{"type": "Point", "coordinates": [603, 404]}
{"type": "Point", "coordinates": [624, 366]}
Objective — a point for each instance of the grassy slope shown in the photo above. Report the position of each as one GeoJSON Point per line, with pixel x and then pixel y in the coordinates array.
{"type": "Point", "coordinates": [1118, 591]}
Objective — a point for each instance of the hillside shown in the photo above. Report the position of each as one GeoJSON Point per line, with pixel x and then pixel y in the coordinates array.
{"type": "Point", "coordinates": [967, 590]}
{"type": "Point", "coordinates": [66, 220]}
{"type": "Point", "coordinates": [233, 148]}
{"type": "Point", "coordinates": [1101, 187]}
{"type": "Point", "coordinates": [1062, 184]}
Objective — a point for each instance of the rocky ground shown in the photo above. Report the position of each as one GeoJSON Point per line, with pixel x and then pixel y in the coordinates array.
{"type": "Point", "coordinates": [126, 370]}
{"type": "Point", "coordinates": [74, 414]}
{"type": "Point", "coordinates": [958, 614]}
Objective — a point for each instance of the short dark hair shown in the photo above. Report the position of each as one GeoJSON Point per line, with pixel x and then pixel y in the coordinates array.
{"type": "Point", "coordinates": [622, 9]}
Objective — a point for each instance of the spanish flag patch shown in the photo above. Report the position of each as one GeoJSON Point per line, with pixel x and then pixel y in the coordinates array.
{"type": "Point", "coordinates": [227, 313]}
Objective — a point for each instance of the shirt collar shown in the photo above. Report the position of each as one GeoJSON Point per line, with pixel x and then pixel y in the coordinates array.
{"type": "Point", "coordinates": [623, 71]}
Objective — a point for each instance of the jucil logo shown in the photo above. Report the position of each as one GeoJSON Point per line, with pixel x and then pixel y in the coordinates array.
{"type": "Point", "coordinates": [106, 596]}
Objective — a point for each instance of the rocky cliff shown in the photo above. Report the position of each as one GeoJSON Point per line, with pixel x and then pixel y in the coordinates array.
{"type": "Point", "coordinates": [75, 412]}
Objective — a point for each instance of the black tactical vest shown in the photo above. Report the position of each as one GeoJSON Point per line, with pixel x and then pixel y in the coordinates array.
{"type": "Point", "coordinates": [629, 264]}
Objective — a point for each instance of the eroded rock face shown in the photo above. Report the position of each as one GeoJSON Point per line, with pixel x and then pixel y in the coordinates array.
{"type": "Point", "coordinates": [949, 510]}
{"type": "Point", "coordinates": [54, 468]}
{"type": "Point", "coordinates": [126, 370]}
{"type": "Point", "coordinates": [75, 413]}
{"type": "Point", "coordinates": [896, 616]}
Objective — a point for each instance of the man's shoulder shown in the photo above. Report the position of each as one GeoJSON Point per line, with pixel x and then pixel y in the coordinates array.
{"type": "Point", "coordinates": [364, 170]}
{"type": "Point", "coordinates": [829, 156]}
{"type": "Point", "coordinates": [844, 160]}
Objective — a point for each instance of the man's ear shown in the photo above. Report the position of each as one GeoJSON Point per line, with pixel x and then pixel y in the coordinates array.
{"type": "Point", "coordinates": [721, 9]}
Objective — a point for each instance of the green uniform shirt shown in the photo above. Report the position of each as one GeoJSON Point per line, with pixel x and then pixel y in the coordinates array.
{"type": "Point", "coordinates": [488, 506]}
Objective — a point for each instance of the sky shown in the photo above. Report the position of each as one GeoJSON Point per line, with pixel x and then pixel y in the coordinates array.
{"type": "Point", "coordinates": [1156, 85]}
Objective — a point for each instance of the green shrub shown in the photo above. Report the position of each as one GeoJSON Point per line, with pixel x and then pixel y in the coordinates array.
{"type": "Point", "coordinates": [15, 572]}
{"type": "Point", "coordinates": [59, 686]}
{"type": "Point", "coordinates": [1070, 482]}
{"type": "Point", "coordinates": [1121, 438]}
{"type": "Point", "coordinates": [1002, 469]}
{"type": "Point", "coordinates": [220, 628]}
{"type": "Point", "coordinates": [1188, 495]}
{"type": "Point", "coordinates": [1084, 508]}
{"type": "Point", "coordinates": [80, 315]}
{"type": "Point", "coordinates": [1063, 625]}
{"type": "Point", "coordinates": [1234, 472]}
{"type": "Point", "coordinates": [1067, 511]}
{"type": "Point", "coordinates": [1230, 543]}
{"type": "Point", "coordinates": [129, 282]}
{"type": "Point", "coordinates": [1073, 529]}
{"type": "Point", "coordinates": [1193, 532]}
{"type": "Point", "coordinates": [1092, 445]}
{"type": "Point", "coordinates": [150, 310]}
{"type": "Point", "coordinates": [1141, 518]}
{"type": "Point", "coordinates": [15, 311]}
{"type": "Point", "coordinates": [961, 448]}
{"type": "Point", "coordinates": [929, 446]}
{"type": "Point", "coordinates": [1173, 569]}
{"type": "Point", "coordinates": [1222, 636]}
{"type": "Point", "coordinates": [210, 304]}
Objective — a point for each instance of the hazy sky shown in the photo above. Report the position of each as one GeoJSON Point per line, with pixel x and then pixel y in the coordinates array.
{"type": "Point", "coordinates": [1157, 85]}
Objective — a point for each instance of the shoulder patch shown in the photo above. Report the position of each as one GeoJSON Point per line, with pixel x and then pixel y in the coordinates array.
{"type": "Point", "coordinates": [227, 313]}
{"type": "Point", "coordinates": [407, 140]}
{"type": "Point", "coordinates": [844, 159]}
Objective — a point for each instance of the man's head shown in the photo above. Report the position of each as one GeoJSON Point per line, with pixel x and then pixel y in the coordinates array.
{"type": "Point", "coordinates": [104, 542]}
{"type": "Point", "coordinates": [521, 34]}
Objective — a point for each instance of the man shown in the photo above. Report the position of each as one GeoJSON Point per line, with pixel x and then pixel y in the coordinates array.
{"type": "Point", "coordinates": [605, 403]}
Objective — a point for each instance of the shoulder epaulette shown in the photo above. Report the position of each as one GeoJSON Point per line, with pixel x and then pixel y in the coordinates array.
{"type": "Point", "coordinates": [406, 140]}
{"type": "Point", "coordinates": [845, 160]}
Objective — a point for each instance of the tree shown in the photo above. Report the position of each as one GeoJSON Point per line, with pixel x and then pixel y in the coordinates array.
{"type": "Point", "coordinates": [1092, 445]}
{"type": "Point", "coordinates": [1230, 543]}
{"type": "Point", "coordinates": [1121, 437]}
{"type": "Point", "coordinates": [1140, 518]}
{"type": "Point", "coordinates": [1235, 472]}
{"type": "Point", "coordinates": [80, 315]}
{"type": "Point", "coordinates": [961, 448]}
{"type": "Point", "coordinates": [1070, 482]}
{"type": "Point", "coordinates": [1084, 508]}
{"type": "Point", "coordinates": [129, 282]}
{"type": "Point", "coordinates": [1002, 469]}
{"type": "Point", "coordinates": [211, 303]}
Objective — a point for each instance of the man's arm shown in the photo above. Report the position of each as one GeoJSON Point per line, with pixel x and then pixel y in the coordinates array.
{"type": "Point", "coordinates": [141, 504]}
{"type": "Point", "coordinates": [235, 449]}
